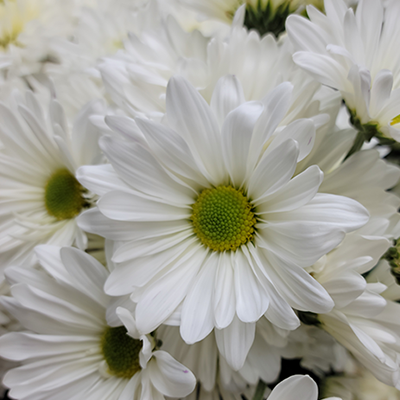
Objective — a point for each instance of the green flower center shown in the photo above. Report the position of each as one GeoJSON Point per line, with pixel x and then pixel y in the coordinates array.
{"type": "Point", "coordinates": [121, 352]}
{"type": "Point", "coordinates": [63, 195]}
{"type": "Point", "coordinates": [223, 218]}
{"type": "Point", "coordinates": [265, 17]}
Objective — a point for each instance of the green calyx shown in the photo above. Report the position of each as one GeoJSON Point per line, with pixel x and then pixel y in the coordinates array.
{"type": "Point", "coordinates": [63, 195]}
{"type": "Point", "coordinates": [365, 133]}
{"type": "Point", "coordinates": [121, 352]}
{"type": "Point", "coordinates": [393, 257]}
{"type": "Point", "coordinates": [265, 18]}
{"type": "Point", "coordinates": [223, 218]}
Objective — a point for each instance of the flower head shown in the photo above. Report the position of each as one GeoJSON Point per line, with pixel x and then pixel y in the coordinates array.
{"type": "Point", "coordinates": [70, 351]}
{"type": "Point", "coordinates": [214, 213]}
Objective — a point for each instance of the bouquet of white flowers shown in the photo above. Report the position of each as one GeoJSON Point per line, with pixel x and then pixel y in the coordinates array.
{"type": "Point", "coordinates": [199, 199]}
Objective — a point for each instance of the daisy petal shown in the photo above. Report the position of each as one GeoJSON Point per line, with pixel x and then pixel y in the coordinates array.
{"type": "Point", "coordinates": [234, 342]}
{"type": "Point", "coordinates": [189, 113]}
{"type": "Point", "coordinates": [170, 377]}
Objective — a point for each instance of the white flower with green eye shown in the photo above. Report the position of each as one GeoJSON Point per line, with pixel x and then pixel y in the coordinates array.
{"type": "Point", "coordinates": [208, 220]}
{"type": "Point", "coordinates": [40, 197]}
{"type": "Point", "coordinates": [68, 351]}
{"type": "Point", "coordinates": [353, 52]}
{"type": "Point", "coordinates": [264, 16]}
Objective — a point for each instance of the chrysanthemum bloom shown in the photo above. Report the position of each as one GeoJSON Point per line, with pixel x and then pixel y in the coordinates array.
{"type": "Point", "coordinates": [354, 54]}
{"type": "Point", "coordinates": [207, 219]}
{"type": "Point", "coordinates": [40, 196]}
{"type": "Point", "coordinates": [68, 351]}
{"type": "Point", "coordinates": [265, 16]}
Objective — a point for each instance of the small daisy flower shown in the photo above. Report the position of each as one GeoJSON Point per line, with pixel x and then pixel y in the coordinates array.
{"type": "Point", "coordinates": [40, 196]}
{"type": "Point", "coordinates": [209, 222]}
{"type": "Point", "coordinates": [69, 351]}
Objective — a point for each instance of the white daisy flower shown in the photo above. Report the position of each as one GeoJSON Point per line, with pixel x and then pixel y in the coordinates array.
{"type": "Point", "coordinates": [200, 211]}
{"type": "Point", "coordinates": [69, 351]}
{"type": "Point", "coordinates": [40, 196]}
{"type": "Point", "coordinates": [264, 16]}
{"type": "Point", "coordinates": [354, 54]}
{"type": "Point", "coordinates": [296, 387]}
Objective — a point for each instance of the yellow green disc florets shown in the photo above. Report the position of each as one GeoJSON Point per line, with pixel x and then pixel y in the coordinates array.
{"type": "Point", "coordinates": [223, 218]}
{"type": "Point", "coordinates": [63, 195]}
{"type": "Point", "coordinates": [121, 352]}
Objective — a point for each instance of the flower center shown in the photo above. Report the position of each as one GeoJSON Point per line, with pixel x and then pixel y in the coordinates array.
{"type": "Point", "coordinates": [265, 16]}
{"type": "Point", "coordinates": [223, 218]}
{"type": "Point", "coordinates": [63, 195]}
{"type": "Point", "coordinates": [121, 352]}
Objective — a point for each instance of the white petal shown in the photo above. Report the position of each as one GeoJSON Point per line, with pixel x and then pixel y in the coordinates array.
{"type": "Point", "coordinates": [236, 136]}
{"type": "Point", "coordinates": [170, 377]}
{"type": "Point", "coordinates": [276, 105]}
{"type": "Point", "coordinates": [143, 172]}
{"type": "Point", "coordinates": [138, 272]}
{"type": "Point", "coordinates": [164, 295]}
{"type": "Point", "coordinates": [298, 192]}
{"type": "Point", "coordinates": [273, 171]}
{"type": "Point", "coordinates": [224, 294]}
{"type": "Point", "coordinates": [228, 94]}
{"type": "Point", "coordinates": [302, 131]}
{"type": "Point", "coordinates": [191, 116]}
{"type": "Point", "coordinates": [297, 286]}
{"type": "Point", "coordinates": [295, 387]}
{"type": "Point", "coordinates": [100, 179]}
{"type": "Point", "coordinates": [123, 206]}
{"type": "Point", "coordinates": [197, 311]}
{"type": "Point", "coordinates": [252, 301]}
{"type": "Point", "coordinates": [173, 152]}
{"type": "Point", "coordinates": [234, 342]}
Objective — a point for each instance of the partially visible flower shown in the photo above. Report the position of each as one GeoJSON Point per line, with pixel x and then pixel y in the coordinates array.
{"type": "Point", "coordinates": [342, 51]}
{"type": "Point", "coordinates": [360, 385]}
{"type": "Point", "coordinates": [363, 321]}
{"type": "Point", "coordinates": [68, 351]}
{"type": "Point", "coordinates": [40, 196]}
{"type": "Point", "coordinates": [296, 387]}
{"type": "Point", "coordinates": [264, 16]}
{"type": "Point", "coordinates": [26, 30]}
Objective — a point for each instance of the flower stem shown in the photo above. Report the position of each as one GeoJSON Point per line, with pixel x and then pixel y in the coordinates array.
{"type": "Point", "coordinates": [259, 394]}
